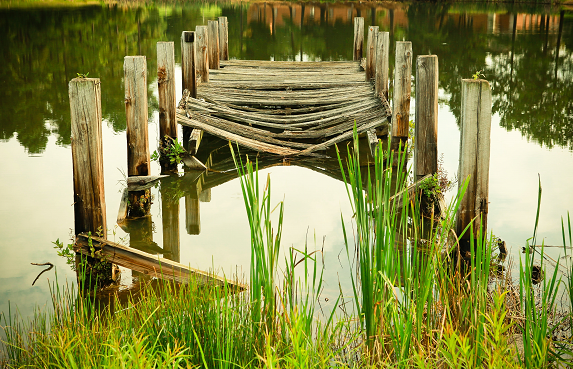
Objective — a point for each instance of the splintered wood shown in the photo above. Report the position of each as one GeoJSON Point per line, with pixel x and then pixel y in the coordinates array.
{"type": "Point", "coordinates": [285, 108]}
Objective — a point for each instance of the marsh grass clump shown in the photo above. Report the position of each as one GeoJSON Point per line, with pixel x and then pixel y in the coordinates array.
{"type": "Point", "coordinates": [412, 304]}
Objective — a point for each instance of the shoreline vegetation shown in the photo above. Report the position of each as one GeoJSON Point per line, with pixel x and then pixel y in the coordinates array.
{"type": "Point", "coordinates": [416, 302]}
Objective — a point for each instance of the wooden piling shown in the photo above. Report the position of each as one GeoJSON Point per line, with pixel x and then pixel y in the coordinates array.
{"type": "Point", "coordinates": [475, 131]}
{"type": "Point", "coordinates": [135, 77]}
{"type": "Point", "coordinates": [224, 38]}
{"type": "Point", "coordinates": [188, 62]}
{"type": "Point", "coordinates": [371, 52]}
{"type": "Point", "coordinates": [213, 42]}
{"type": "Point", "coordinates": [358, 38]}
{"type": "Point", "coordinates": [382, 63]}
{"type": "Point", "coordinates": [167, 100]}
{"type": "Point", "coordinates": [402, 90]}
{"type": "Point", "coordinates": [202, 54]}
{"type": "Point", "coordinates": [426, 131]}
{"type": "Point", "coordinates": [87, 155]}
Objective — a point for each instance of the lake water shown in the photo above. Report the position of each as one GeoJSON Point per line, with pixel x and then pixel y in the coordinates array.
{"type": "Point", "coordinates": [525, 52]}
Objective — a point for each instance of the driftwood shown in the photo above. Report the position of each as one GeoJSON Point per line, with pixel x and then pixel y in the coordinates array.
{"type": "Point", "coordinates": [145, 263]}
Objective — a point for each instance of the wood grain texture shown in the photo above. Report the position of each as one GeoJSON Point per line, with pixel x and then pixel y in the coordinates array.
{"type": "Point", "coordinates": [474, 154]}
{"type": "Point", "coordinates": [188, 62]}
{"type": "Point", "coordinates": [371, 53]}
{"type": "Point", "coordinates": [223, 38]}
{"type": "Point", "coordinates": [402, 90]}
{"type": "Point", "coordinates": [135, 78]}
{"type": "Point", "coordinates": [167, 98]}
{"type": "Point", "coordinates": [382, 64]}
{"type": "Point", "coordinates": [87, 155]}
{"type": "Point", "coordinates": [358, 38]}
{"type": "Point", "coordinates": [202, 53]}
{"type": "Point", "coordinates": [426, 131]}
{"type": "Point", "coordinates": [213, 43]}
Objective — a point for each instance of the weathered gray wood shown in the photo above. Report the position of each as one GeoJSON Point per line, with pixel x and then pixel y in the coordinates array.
{"type": "Point", "coordinates": [122, 211]}
{"type": "Point", "coordinates": [371, 53]}
{"type": "Point", "coordinates": [188, 62]}
{"type": "Point", "coordinates": [195, 141]}
{"type": "Point", "coordinates": [202, 52]}
{"type": "Point", "coordinates": [148, 264]}
{"type": "Point", "coordinates": [87, 155]}
{"type": "Point", "coordinates": [213, 43]}
{"type": "Point", "coordinates": [475, 131]}
{"type": "Point", "coordinates": [382, 63]}
{"type": "Point", "coordinates": [139, 183]}
{"type": "Point", "coordinates": [372, 141]}
{"type": "Point", "coordinates": [223, 38]}
{"type": "Point", "coordinates": [426, 130]}
{"type": "Point", "coordinates": [193, 163]}
{"type": "Point", "coordinates": [402, 90]}
{"type": "Point", "coordinates": [167, 99]}
{"type": "Point", "coordinates": [358, 38]}
{"type": "Point", "coordinates": [135, 78]}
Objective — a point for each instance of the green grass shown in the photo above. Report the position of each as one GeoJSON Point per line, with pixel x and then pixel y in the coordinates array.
{"type": "Point", "coordinates": [414, 303]}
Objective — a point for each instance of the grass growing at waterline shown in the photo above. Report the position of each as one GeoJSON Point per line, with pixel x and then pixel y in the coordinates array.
{"type": "Point", "coordinates": [415, 304]}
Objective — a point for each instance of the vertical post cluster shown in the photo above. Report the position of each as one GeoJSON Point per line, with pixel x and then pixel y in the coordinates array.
{"type": "Point", "coordinates": [474, 155]}
{"type": "Point", "coordinates": [402, 91]}
{"type": "Point", "coordinates": [358, 38]}
{"type": "Point", "coordinates": [426, 131]}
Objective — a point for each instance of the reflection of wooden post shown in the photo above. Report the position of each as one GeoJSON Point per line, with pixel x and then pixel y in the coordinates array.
{"type": "Point", "coordinates": [202, 55]}
{"type": "Point", "coordinates": [402, 90]}
{"type": "Point", "coordinates": [87, 161]}
{"type": "Point", "coordinates": [87, 155]}
{"type": "Point", "coordinates": [358, 38]}
{"type": "Point", "coordinates": [192, 215]}
{"type": "Point", "coordinates": [167, 99]}
{"type": "Point", "coordinates": [205, 195]}
{"type": "Point", "coordinates": [474, 154]}
{"type": "Point", "coordinates": [426, 147]}
{"type": "Point", "coordinates": [213, 42]}
{"type": "Point", "coordinates": [188, 72]}
{"type": "Point", "coordinates": [371, 52]}
{"type": "Point", "coordinates": [382, 64]}
{"type": "Point", "coordinates": [135, 73]}
{"type": "Point", "coordinates": [170, 219]}
{"type": "Point", "coordinates": [224, 38]}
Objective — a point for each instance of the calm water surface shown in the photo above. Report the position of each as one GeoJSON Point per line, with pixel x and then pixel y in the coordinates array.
{"type": "Point", "coordinates": [526, 54]}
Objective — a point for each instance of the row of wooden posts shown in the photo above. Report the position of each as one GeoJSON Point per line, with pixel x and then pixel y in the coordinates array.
{"type": "Point", "coordinates": [475, 124]}
{"type": "Point", "coordinates": [202, 49]}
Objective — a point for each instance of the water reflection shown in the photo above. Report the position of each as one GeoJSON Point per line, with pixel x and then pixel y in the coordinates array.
{"type": "Point", "coordinates": [526, 57]}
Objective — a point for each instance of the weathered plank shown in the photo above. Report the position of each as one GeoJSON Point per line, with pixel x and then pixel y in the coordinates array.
{"type": "Point", "coordinates": [358, 38]}
{"type": "Point", "coordinates": [202, 52]}
{"type": "Point", "coordinates": [135, 78]}
{"type": "Point", "coordinates": [87, 155]}
{"type": "Point", "coordinates": [474, 155]}
{"type": "Point", "coordinates": [426, 129]}
{"type": "Point", "coordinates": [213, 43]}
{"type": "Point", "coordinates": [223, 38]}
{"type": "Point", "coordinates": [402, 90]}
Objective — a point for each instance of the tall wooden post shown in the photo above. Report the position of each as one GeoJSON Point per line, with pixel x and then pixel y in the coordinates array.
{"type": "Point", "coordinates": [87, 155]}
{"type": "Point", "coordinates": [474, 155]}
{"type": "Point", "coordinates": [167, 100]}
{"type": "Point", "coordinates": [87, 162]}
{"type": "Point", "coordinates": [426, 147]}
{"type": "Point", "coordinates": [201, 48]}
{"type": "Point", "coordinates": [213, 44]}
{"type": "Point", "coordinates": [371, 52]}
{"type": "Point", "coordinates": [224, 38]}
{"type": "Point", "coordinates": [402, 90]}
{"type": "Point", "coordinates": [135, 75]}
{"type": "Point", "coordinates": [358, 38]}
{"type": "Point", "coordinates": [189, 72]}
{"type": "Point", "coordinates": [382, 63]}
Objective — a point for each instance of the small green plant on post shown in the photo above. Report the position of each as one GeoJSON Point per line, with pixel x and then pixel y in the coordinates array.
{"type": "Point", "coordinates": [170, 151]}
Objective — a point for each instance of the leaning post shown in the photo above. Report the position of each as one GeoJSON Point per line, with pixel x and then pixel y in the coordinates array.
{"type": "Point", "coordinates": [358, 38]}
{"type": "Point", "coordinates": [87, 162]}
{"type": "Point", "coordinates": [223, 38]}
{"type": "Point", "coordinates": [426, 130]}
{"type": "Point", "coordinates": [371, 53]}
{"type": "Point", "coordinates": [202, 54]}
{"type": "Point", "coordinates": [213, 42]}
{"type": "Point", "coordinates": [402, 90]}
{"type": "Point", "coordinates": [167, 101]}
{"type": "Point", "coordinates": [382, 63]}
{"type": "Point", "coordinates": [475, 130]}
